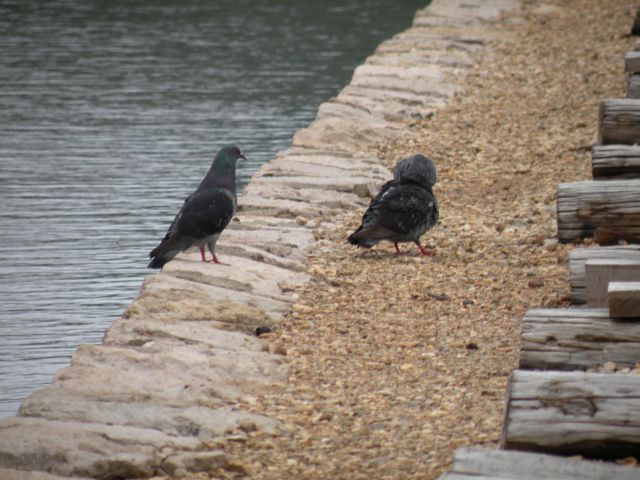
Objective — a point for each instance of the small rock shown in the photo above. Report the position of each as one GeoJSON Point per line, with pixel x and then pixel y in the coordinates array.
{"type": "Point", "coordinates": [608, 367]}
{"type": "Point", "coordinates": [247, 425]}
{"type": "Point", "coordinates": [466, 302]}
{"type": "Point", "coordinates": [182, 463]}
{"type": "Point", "coordinates": [472, 346]}
{"type": "Point", "coordinates": [536, 283]}
{"type": "Point", "coordinates": [406, 366]}
{"type": "Point", "coordinates": [280, 350]}
{"type": "Point", "coordinates": [302, 220]}
{"type": "Point", "coordinates": [550, 244]}
{"type": "Point", "coordinates": [262, 330]}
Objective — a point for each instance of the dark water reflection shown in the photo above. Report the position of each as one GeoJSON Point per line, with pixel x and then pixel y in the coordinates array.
{"type": "Point", "coordinates": [110, 113]}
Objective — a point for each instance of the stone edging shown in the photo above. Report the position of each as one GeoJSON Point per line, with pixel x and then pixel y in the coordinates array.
{"type": "Point", "coordinates": [174, 371]}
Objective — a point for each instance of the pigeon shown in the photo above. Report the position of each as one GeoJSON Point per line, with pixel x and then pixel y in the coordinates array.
{"type": "Point", "coordinates": [205, 213]}
{"type": "Point", "coordinates": [404, 208]}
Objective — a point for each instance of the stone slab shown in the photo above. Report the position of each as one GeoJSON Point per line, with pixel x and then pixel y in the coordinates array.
{"type": "Point", "coordinates": [203, 423]}
{"type": "Point", "coordinates": [168, 372]}
{"type": "Point", "coordinates": [84, 449]}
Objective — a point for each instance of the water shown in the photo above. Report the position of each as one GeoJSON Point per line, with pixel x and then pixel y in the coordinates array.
{"type": "Point", "coordinates": [110, 113]}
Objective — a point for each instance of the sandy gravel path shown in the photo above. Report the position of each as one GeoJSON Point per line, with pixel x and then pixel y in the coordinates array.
{"type": "Point", "coordinates": [394, 362]}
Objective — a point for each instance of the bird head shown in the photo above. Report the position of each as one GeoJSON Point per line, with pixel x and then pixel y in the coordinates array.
{"type": "Point", "coordinates": [224, 165]}
{"type": "Point", "coordinates": [417, 169]}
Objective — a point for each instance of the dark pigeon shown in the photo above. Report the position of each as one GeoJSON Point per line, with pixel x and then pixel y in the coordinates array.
{"type": "Point", "coordinates": [205, 213]}
{"type": "Point", "coordinates": [404, 208]}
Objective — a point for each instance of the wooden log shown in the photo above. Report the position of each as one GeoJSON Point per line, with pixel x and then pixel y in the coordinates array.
{"type": "Point", "coordinates": [584, 206]}
{"type": "Point", "coordinates": [615, 162]}
{"type": "Point", "coordinates": [599, 272]}
{"type": "Point", "coordinates": [632, 61]}
{"type": "Point", "coordinates": [577, 266]}
{"type": "Point", "coordinates": [619, 121]}
{"type": "Point", "coordinates": [591, 414]}
{"type": "Point", "coordinates": [633, 86]}
{"type": "Point", "coordinates": [624, 300]}
{"type": "Point", "coordinates": [577, 339]}
{"type": "Point", "coordinates": [484, 464]}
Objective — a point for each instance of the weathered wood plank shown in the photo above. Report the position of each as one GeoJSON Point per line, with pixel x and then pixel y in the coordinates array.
{"type": "Point", "coordinates": [577, 262]}
{"type": "Point", "coordinates": [599, 272]}
{"type": "Point", "coordinates": [619, 121]}
{"type": "Point", "coordinates": [632, 61]}
{"type": "Point", "coordinates": [482, 463]}
{"type": "Point", "coordinates": [633, 86]}
{"type": "Point", "coordinates": [592, 414]}
{"type": "Point", "coordinates": [624, 300]}
{"type": "Point", "coordinates": [615, 162]}
{"type": "Point", "coordinates": [584, 206]}
{"type": "Point", "coordinates": [577, 338]}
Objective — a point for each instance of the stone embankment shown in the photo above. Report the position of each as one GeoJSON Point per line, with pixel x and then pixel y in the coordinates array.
{"type": "Point", "coordinates": [175, 375]}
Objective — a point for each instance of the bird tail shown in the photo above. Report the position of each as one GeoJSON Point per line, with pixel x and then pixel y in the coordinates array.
{"type": "Point", "coordinates": [164, 252]}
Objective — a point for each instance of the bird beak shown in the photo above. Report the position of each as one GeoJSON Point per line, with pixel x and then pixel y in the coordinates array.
{"type": "Point", "coordinates": [243, 157]}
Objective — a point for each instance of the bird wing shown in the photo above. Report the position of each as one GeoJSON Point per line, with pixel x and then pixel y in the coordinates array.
{"type": "Point", "coordinates": [406, 206]}
{"type": "Point", "coordinates": [401, 207]}
{"type": "Point", "coordinates": [204, 213]}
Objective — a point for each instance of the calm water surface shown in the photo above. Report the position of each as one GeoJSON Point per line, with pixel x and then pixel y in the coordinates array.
{"type": "Point", "coordinates": [110, 113]}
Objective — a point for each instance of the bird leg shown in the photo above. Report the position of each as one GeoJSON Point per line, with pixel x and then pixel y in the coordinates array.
{"type": "Point", "coordinates": [213, 260]}
{"type": "Point", "coordinates": [425, 251]}
{"type": "Point", "coordinates": [398, 252]}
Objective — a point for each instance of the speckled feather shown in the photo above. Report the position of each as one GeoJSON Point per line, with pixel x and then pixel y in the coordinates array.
{"type": "Point", "coordinates": [404, 209]}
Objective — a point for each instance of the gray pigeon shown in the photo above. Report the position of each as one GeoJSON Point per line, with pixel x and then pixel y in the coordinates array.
{"type": "Point", "coordinates": [205, 213]}
{"type": "Point", "coordinates": [404, 208]}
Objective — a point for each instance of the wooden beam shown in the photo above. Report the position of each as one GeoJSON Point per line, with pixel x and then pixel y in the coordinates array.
{"type": "Point", "coordinates": [483, 464]}
{"type": "Point", "coordinates": [577, 265]}
{"type": "Point", "coordinates": [632, 61]}
{"type": "Point", "coordinates": [624, 301]}
{"type": "Point", "coordinates": [577, 339]}
{"type": "Point", "coordinates": [592, 414]}
{"type": "Point", "coordinates": [619, 121]}
{"type": "Point", "coordinates": [633, 86]}
{"type": "Point", "coordinates": [615, 162]}
{"type": "Point", "coordinates": [584, 206]}
{"type": "Point", "coordinates": [599, 272]}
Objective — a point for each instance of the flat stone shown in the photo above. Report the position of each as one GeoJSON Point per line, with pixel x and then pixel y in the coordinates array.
{"type": "Point", "coordinates": [355, 162]}
{"type": "Point", "coordinates": [342, 134]}
{"type": "Point", "coordinates": [166, 297]}
{"type": "Point", "coordinates": [339, 184]}
{"type": "Point", "coordinates": [242, 275]}
{"type": "Point", "coordinates": [295, 261]}
{"type": "Point", "coordinates": [186, 420]}
{"type": "Point", "coordinates": [251, 230]}
{"type": "Point", "coordinates": [287, 166]}
{"type": "Point", "coordinates": [194, 462]}
{"type": "Point", "coordinates": [84, 449]}
{"type": "Point", "coordinates": [314, 196]}
{"type": "Point", "coordinates": [416, 85]}
{"type": "Point", "coordinates": [455, 60]}
{"type": "Point", "coordinates": [10, 474]}
{"type": "Point", "coordinates": [256, 204]}
{"type": "Point", "coordinates": [167, 372]}
{"type": "Point", "coordinates": [127, 332]}
{"type": "Point", "coordinates": [466, 11]}
{"type": "Point", "coordinates": [387, 106]}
